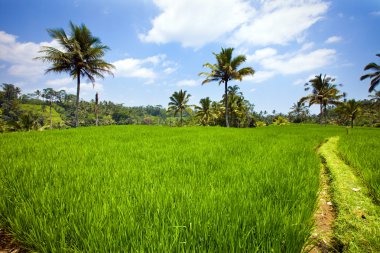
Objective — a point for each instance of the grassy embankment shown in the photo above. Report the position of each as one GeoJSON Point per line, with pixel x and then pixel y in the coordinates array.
{"type": "Point", "coordinates": [161, 189]}
{"type": "Point", "coordinates": [357, 224]}
{"type": "Point", "coordinates": [361, 150]}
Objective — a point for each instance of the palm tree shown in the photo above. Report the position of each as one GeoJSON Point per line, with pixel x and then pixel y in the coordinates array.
{"type": "Point", "coordinates": [350, 109]}
{"type": "Point", "coordinates": [375, 76]}
{"type": "Point", "coordinates": [81, 56]}
{"type": "Point", "coordinates": [225, 70]}
{"type": "Point", "coordinates": [49, 94]}
{"type": "Point", "coordinates": [299, 111]}
{"type": "Point", "coordinates": [205, 112]}
{"type": "Point", "coordinates": [178, 103]}
{"type": "Point", "coordinates": [96, 109]}
{"type": "Point", "coordinates": [324, 92]}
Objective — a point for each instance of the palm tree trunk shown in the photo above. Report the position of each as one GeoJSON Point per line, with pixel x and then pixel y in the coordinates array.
{"type": "Point", "coordinates": [226, 102]}
{"type": "Point", "coordinates": [51, 120]}
{"type": "Point", "coordinates": [181, 116]}
{"type": "Point", "coordinates": [96, 109]}
{"type": "Point", "coordinates": [321, 114]}
{"type": "Point", "coordinates": [77, 102]}
{"type": "Point", "coordinates": [352, 122]}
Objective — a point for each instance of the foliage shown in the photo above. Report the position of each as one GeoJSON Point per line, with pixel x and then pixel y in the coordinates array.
{"type": "Point", "coordinates": [349, 110]}
{"type": "Point", "coordinates": [178, 104]}
{"type": "Point", "coordinates": [280, 121]}
{"type": "Point", "coordinates": [9, 105]}
{"type": "Point", "coordinates": [299, 112]}
{"type": "Point", "coordinates": [81, 56]}
{"type": "Point", "coordinates": [324, 92]}
{"type": "Point", "coordinates": [225, 70]}
{"type": "Point", "coordinates": [217, 189]}
{"type": "Point", "coordinates": [374, 76]}
{"type": "Point", "coordinates": [205, 114]}
{"type": "Point", "coordinates": [261, 124]}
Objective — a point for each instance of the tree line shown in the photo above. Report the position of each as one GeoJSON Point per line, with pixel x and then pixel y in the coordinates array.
{"type": "Point", "coordinates": [81, 56]}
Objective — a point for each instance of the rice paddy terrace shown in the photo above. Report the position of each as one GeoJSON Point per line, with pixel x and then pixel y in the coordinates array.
{"type": "Point", "coordinates": [161, 189]}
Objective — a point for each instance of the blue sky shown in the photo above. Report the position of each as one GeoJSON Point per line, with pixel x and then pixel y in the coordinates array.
{"type": "Point", "coordinates": [159, 46]}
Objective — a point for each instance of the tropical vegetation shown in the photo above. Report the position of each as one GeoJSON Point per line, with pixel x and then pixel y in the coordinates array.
{"type": "Point", "coordinates": [225, 70]}
{"type": "Point", "coordinates": [80, 55]}
{"type": "Point", "coordinates": [179, 103]}
{"type": "Point", "coordinates": [374, 76]}
{"type": "Point", "coordinates": [323, 92]}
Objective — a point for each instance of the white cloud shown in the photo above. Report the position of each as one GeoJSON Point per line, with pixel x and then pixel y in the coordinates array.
{"type": "Point", "coordinates": [6, 38]}
{"type": "Point", "coordinates": [252, 90]}
{"type": "Point", "coordinates": [148, 68]}
{"type": "Point", "coordinates": [85, 88]}
{"type": "Point", "coordinates": [194, 23]}
{"type": "Point", "coordinates": [169, 70]}
{"type": "Point", "coordinates": [260, 76]}
{"type": "Point", "coordinates": [20, 56]}
{"type": "Point", "coordinates": [280, 22]}
{"type": "Point", "coordinates": [261, 54]}
{"type": "Point", "coordinates": [60, 82]}
{"type": "Point", "coordinates": [375, 13]}
{"type": "Point", "coordinates": [333, 39]}
{"type": "Point", "coordinates": [188, 83]}
{"type": "Point", "coordinates": [300, 62]}
{"type": "Point", "coordinates": [301, 81]}
{"type": "Point", "coordinates": [131, 67]}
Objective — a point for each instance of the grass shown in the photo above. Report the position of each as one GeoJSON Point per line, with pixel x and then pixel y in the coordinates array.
{"type": "Point", "coordinates": [360, 149]}
{"type": "Point", "coordinates": [161, 189]}
{"type": "Point", "coordinates": [356, 228]}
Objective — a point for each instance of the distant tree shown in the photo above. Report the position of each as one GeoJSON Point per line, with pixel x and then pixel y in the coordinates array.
{"type": "Point", "coordinates": [350, 109]}
{"type": "Point", "coordinates": [29, 120]}
{"type": "Point", "coordinates": [324, 92]}
{"type": "Point", "coordinates": [225, 70]}
{"type": "Point", "coordinates": [49, 95]}
{"type": "Point", "coordinates": [178, 103]}
{"type": "Point", "coordinates": [9, 104]}
{"type": "Point", "coordinates": [37, 93]}
{"type": "Point", "coordinates": [81, 56]}
{"type": "Point", "coordinates": [298, 112]}
{"type": "Point", "coordinates": [204, 112]}
{"type": "Point", "coordinates": [374, 76]}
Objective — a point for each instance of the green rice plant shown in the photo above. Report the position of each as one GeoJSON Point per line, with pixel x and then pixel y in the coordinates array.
{"type": "Point", "coordinates": [360, 149]}
{"type": "Point", "coordinates": [161, 189]}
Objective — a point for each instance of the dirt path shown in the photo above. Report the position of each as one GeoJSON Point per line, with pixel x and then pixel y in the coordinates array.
{"type": "Point", "coordinates": [354, 226]}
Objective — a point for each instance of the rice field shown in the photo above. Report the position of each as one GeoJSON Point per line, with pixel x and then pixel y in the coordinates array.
{"type": "Point", "coordinates": [161, 189]}
{"type": "Point", "coordinates": [361, 150]}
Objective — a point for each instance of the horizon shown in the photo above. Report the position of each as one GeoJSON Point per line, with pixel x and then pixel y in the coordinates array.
{"type": "Point", "coordinates": [159, 47]}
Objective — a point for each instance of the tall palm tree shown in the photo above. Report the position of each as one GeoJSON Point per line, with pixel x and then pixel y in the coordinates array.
{"type": "Point", "coordinates": [350, 109]}
{"type": "Point", "coordinates": [225, 70]}
{"type": "Point", "coordinates": [178, 103]}
{"type": "Point", "coordinates": [49, 94]}
{"type": "Point", "coordinates": [81, 56]}
{"type": "Point", "coordinates": [205, 112]}
{"type": "Point", "coordinates": [375, 76]}
{"type": "Point", "coordinates": [324, 92]}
